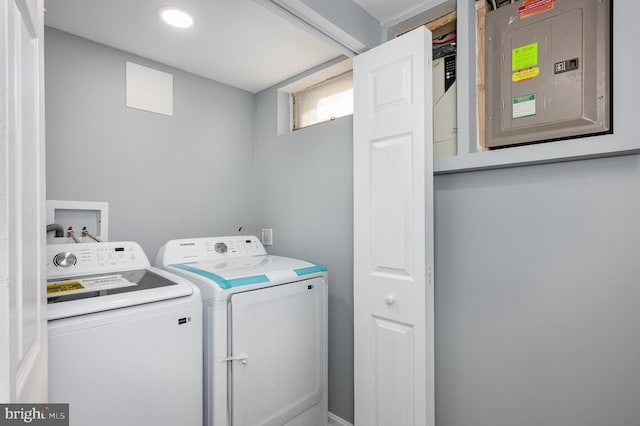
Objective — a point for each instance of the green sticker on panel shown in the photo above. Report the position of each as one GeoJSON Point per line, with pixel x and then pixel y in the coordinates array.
{"type": "Point", "coordinates": [523, 106]}
{"type": "Point", "coordinates": [524, 57]}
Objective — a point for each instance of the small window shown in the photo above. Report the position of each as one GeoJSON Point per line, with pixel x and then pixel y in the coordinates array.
{"type": "Point", "coordinates": [325, 101]}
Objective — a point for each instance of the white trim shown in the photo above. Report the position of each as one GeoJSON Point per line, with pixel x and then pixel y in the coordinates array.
{"type": "Point", "coordinates": [298, 13]}
{"type": "Point", "coordinates": [318, 76]}
{"type": "Point", "coordinates": [337, 421]}
{"type": "Point", "coordinates": [284, 101]}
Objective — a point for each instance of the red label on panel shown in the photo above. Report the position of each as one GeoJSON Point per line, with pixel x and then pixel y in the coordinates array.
{"type": "Point", "coordinates": [533, 7]}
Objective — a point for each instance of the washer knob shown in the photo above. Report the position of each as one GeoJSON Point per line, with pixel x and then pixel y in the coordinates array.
{"type": "Point", "coordinates": [64, 259]}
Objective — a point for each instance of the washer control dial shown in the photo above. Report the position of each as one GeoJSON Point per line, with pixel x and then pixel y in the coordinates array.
{"type": "Point", "coordinates": [64, 259]}
{"type": "Point", "coordinates": [220, 248]}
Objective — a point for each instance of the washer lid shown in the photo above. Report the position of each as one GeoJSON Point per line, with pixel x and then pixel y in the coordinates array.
{"type": "Point", "coordinates": [242, 271]}
{"type": "Point", "coordinates": [80, 295]}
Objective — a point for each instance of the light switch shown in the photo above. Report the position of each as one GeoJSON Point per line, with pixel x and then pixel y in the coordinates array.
{"type": "Point", "coordinates": [267, 236]}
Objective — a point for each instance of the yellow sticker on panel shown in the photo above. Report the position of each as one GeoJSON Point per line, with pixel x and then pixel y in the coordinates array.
{"type": "Point", "coordinates": [525, 74]}
{"type": "Point", "coordinates": [63, 287]}
{"type": "Point", "coordinates": [524, 57]}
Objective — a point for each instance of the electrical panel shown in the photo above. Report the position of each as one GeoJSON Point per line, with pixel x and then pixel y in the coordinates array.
{"type": "Point", "coordinates": [548, 71]}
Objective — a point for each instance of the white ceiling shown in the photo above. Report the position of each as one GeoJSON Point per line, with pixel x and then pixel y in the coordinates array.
{"type": "Point", "coordinates": [237, 42]}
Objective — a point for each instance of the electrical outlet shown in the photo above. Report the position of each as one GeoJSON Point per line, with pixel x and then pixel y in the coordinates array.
{"type": "Point", "coordinates": [267, 236]}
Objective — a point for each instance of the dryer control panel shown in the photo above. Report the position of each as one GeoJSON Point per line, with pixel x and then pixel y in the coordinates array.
{"type": "Point", "coordinates": [208, 249]}
{"type": "Point", "coordinates": [91, 258]}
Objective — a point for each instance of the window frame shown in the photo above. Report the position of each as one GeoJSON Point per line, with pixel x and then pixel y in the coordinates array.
{"type": "Point", "coordinates": [296, 116]}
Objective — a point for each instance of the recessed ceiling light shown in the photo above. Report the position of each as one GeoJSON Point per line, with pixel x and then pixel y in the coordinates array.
{"type": "Point", "coordinates": [176, 17]}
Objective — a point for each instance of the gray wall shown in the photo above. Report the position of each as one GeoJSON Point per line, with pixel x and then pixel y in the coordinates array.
{"type": "Point", "coordinates": [304, 190]}
{"type": "Point", "coordinates": [164, 177]}
{"type": "Point", "coordinates": [537, 295]}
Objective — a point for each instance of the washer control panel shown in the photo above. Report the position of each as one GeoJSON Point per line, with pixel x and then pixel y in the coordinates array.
{"type": "Point", "coordinates": [209, 249]}
{"type": "Point", "coordinates": [65, 259]}
{"type": "Point", "coordinates": [91, 258]}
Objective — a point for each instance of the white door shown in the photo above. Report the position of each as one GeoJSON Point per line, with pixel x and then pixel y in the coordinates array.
{"type": "Point", "coordinates": [393, 233]}
{"type": "Point", "coordinates": [23, 323]}
{"type": "Point", "coordinates": [282, 332]}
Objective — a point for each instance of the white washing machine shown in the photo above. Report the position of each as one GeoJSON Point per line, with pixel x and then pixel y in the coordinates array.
{"type": "Point", "coordinates": [125, 338]}
{"type": "Point", "coordinates": [265, 331]}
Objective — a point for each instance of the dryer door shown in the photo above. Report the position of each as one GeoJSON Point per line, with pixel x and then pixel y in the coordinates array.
{"type": "Point", "coordinates": [281, 330]}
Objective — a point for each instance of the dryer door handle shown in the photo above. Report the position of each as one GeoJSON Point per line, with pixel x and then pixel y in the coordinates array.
{"type": "Point", "coordinates": [243, 357]}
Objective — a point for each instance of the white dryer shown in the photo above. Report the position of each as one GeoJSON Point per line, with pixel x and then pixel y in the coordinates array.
{"type": "Point", "coordinates": [265, 331]}
{"type": "Point", "coordinates": [125, 338]}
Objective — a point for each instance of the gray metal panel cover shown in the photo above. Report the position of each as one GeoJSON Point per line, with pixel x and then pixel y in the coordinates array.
{"type": "Point", "coordinates": [547, 73]}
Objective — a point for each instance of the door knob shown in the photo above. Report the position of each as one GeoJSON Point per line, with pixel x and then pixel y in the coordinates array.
{"type": "Point", "coordinates": [389, 299]}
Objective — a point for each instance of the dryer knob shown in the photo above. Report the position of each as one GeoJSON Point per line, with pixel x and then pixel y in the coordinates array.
{"type": "Point", "coordinates": [64, 259]}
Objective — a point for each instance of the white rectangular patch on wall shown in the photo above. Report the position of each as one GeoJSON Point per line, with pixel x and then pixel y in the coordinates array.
{"type": "Point", "coordinates": [149, 89]}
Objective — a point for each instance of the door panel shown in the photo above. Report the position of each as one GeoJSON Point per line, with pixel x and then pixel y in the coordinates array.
{"type": "Point", "coordinates": [392, 85]}
{"type": "Point", "coordinates": [395, 346]}
{"type": "Point", "coordinates": [281, 329]}
{"type": "Point", "coordinates": [393, 233]}
{"type": "Point", "coordinates": [391, 187]}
